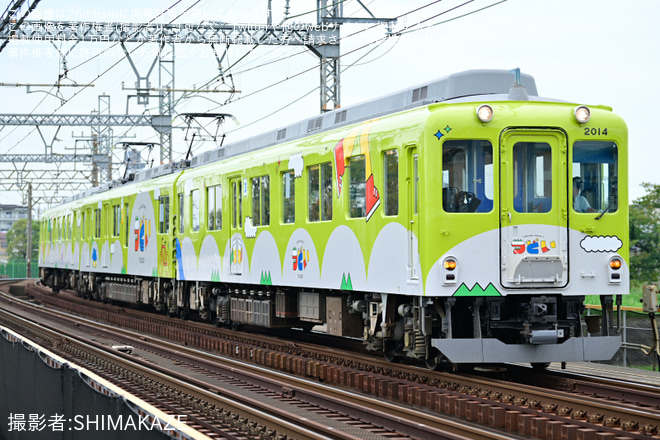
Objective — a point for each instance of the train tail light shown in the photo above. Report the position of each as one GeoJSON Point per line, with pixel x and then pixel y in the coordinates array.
{"type": "Point", "coordinates": [614, 269]}
{"type": "Point", "coordinates": [450, 270]}
{"type": "Point", "coordinates": [615, 263]}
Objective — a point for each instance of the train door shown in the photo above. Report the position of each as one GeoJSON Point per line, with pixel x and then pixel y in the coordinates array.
{"type": "Point", "coordinates": [533, 209]}
{"type": "Point", "coordinates": [237, 188]}
{"type": "Point", "coordinates": [413, 213]}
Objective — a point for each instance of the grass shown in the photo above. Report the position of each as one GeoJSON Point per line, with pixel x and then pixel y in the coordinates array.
{"type": "Point", "coordinates": [630, 300]}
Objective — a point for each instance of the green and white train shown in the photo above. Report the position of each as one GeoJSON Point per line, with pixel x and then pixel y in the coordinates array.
{"type": "Point", "coordinates": [460, 221]}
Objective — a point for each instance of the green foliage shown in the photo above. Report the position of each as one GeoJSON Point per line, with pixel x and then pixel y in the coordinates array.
{"type": "Point", "coordinates": [17, 240]}
{"type": "Point", "coordinates": [645, 236]}
{"type": "Point", "coordinates": [630, 300]}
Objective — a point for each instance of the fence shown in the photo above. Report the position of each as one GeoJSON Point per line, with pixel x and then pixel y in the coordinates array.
{"type": "Point", "coordinates": [17, 268]}
{"type": "Point", "coordinates": [636, 330]}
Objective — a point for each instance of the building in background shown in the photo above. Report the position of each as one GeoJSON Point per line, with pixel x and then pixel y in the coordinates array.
{"type": "Point", "coordinates": [10, 214]}
{"type": "Point", "coordinates": [3, 246]}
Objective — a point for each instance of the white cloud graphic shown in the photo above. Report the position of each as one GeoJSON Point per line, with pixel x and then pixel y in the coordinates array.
{"type": "Point", "coordinates": [296, 162]}
{"type": "Point", "coordinates": [601, 244]}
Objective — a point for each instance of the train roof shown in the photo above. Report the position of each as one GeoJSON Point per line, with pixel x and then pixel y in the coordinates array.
{"type": "Point", "coordinates": [462, 86]}
{"type": "Point", "coordinates": [466, 84]}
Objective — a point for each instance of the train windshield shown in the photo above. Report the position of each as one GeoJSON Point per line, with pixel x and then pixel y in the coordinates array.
{"type": "Point", "coordinates": [467, 176]}
{"type": "Point", "coordinates": [595, 176]}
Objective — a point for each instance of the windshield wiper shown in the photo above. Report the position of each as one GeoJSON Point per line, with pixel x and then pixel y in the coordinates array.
{"type": "Point", "coordinates": [607, 208]}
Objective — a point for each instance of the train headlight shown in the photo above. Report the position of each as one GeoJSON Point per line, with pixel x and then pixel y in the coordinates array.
{"type": "Point", "coordinates": [450, 264]}
{"type": "Point", "coordinates": [615, 263]}
{"type": "Point", "coordinates": [582, 114]}
{"type": "Point", "coordinates": [485, 112]}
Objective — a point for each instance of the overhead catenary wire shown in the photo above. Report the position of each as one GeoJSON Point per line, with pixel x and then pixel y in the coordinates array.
{"type": "Point", "coordinates": [355, 63]}
{"type": "Point", "coordinates": [376, 42]}
{"type": "Point", "coordinates": [349, 52]}
{"type": "Point", "coordinates": [85, 86]}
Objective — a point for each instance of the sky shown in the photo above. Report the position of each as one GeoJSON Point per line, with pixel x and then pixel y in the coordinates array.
{"type": "Point", "coordinates": [588, 52]}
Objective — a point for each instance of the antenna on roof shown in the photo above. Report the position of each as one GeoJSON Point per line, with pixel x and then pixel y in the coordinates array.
{"type": "Point", "coordinates": [517, 92]}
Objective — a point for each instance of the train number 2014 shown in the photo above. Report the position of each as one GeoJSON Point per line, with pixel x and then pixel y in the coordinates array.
{"type": "Point", "coordinates": [595, 131]}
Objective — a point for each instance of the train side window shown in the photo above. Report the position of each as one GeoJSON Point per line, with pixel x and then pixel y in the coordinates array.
{"type": "Point", "coordinates": [164, 215]}
{"type": "Point", "coordinates": [182, 210]}
{"type": "Point", "coordinates": [357, 187]}
{"type": "Point", "coordinates": [195, 208]}
{"type": "Point", "coordinates": [116, 220]}
{"type": "Point", "coordinates": [391, 177]}
{"type": "Point", "coordinates": [261, 201]}
{"type": "Point", "coordinates": [415, 183]}
{"type": "Point", "coordinates": [84, 219]}
{"type": "Point", "coordinates": [320, 192]}
{"type": "Point", "coordinates": [288, 197]}
{"type": "Point", "coordinates": [97, 223]}
{"type": "Point", "coordinates": [214, 205]}
{"type": "Point", "coordinates": [237, 204]}
{"type": "Point", "coordinates": [595, 176]}
{"type": "Point", "coordinates": [467, 176]}
{"type": "Point", "coordinates": [126, 223]}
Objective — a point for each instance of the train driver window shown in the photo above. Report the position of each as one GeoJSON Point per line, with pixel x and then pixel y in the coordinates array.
{"type": "Point", "coordinates": [467, 176]}
{"type": "Point", "coordinates": [595, 165]}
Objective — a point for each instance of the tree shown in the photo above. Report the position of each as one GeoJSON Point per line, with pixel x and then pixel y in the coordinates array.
{"type": "Point", "coordinates": [645, 236]}
{"type": "Point", "coordinates": [17, 240]}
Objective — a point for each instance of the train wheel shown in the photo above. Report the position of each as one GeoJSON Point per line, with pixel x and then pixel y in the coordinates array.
{"type": "Point", "coordinates": [307, 328]}
{"type": "Point", "coordinates": [391, 356]}
{"type": "Point", "coordinates": [434, 359]}
{"type": "Point", "coordinates": [236, 326]}
{"type": "Point", "coordinates": [391, 350]}
{"type": "Point", "coordinates": [540, 365]}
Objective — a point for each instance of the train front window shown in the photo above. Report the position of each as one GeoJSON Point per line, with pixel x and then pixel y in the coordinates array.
{"type": "Point", "coordinates": [595, 176]}
{"type": "Point", "coordinates": [467, 176]}
{"type": "Point", "coordinates": [532, 177]}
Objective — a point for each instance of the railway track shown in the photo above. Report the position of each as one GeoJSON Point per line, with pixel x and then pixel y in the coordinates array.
{"type": "Point", "coordinates": [556, 408]}
{"type": "Point", "coordinates": [211, 390]}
